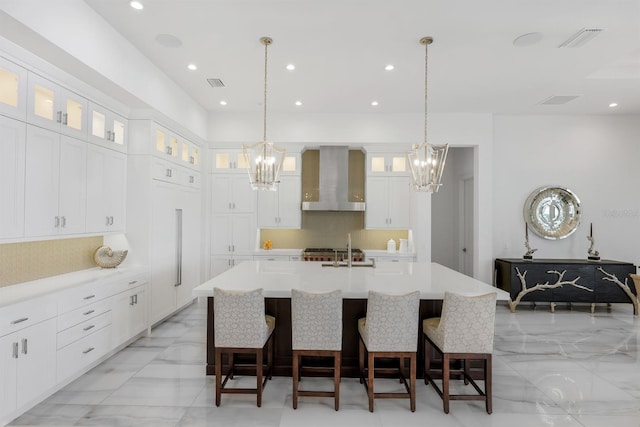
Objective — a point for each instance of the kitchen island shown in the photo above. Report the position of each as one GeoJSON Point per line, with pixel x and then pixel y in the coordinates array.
{"type": "Point", "coordinates": [278, 278]}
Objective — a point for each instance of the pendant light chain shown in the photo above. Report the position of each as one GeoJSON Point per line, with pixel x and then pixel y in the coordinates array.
{"type": "Point", "coordinates": [266, 41]}
{"type": "Point", "coordinates": [426, 56]}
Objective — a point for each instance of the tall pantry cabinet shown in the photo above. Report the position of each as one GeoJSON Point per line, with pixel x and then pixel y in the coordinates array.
{"type": "Point", "coordinates": [164, 213]}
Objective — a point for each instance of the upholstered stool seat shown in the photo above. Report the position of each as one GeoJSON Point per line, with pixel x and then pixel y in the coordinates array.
{"type": "Point", "coordinates": [390, 330]}
{"type": "Point", "coordinates": [464, 332]}
{"type": "Point", "coordinates": [241, 327]}
{"type": "Point", "coordinates": [316, 330]}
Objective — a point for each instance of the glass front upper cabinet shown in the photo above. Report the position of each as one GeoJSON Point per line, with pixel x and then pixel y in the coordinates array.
{"type": "Point", "coordinates": [13, 89]}
{"type": "Point", "coordinates": [387, 164]}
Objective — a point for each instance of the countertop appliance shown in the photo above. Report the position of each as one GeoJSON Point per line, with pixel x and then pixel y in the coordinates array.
{"type": "Point", "coordinates": [329, 254]}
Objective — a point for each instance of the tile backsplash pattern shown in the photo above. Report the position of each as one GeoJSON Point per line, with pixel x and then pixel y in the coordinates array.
{"type": "Point", "coordinates": [329, 230]}
{"type": "Point", "coordinates": [22, 262]}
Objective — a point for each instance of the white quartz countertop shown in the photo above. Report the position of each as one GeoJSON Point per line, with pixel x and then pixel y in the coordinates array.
{"type": "Point", "coordinates": [277, 278]}
{"type": "Point", "coordinates": [35, 288]}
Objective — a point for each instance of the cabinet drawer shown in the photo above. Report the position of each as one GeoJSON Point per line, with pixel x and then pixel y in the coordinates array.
{"type": "Point", "coordinates": [75, 357]}
{"type": "Point", "coordinates": [129, 282]}
{"type": "Point", "coordinates": [23, 314]}
{"type": "Point", "coordinates": [80, 296]}
{"type": "Point", "coordinates": [83, 329]}
{"type": "Point", "coordinates": [81, 314]}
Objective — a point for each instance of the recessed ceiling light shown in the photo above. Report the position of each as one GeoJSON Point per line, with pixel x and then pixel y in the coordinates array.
{"type": "Point", "coordinates": [223, 102]}
{"type": "Point", "coordinates": [192, 67]}
{"type": "Point", "coordinates": [291, 67]}
{"type": "Point", "coordinates": [136, 5]}
{"type": "Point", "coordinates": [374, 103]}
{"type": "Point", "coordinates": [389, 67]}
{"type": "Point", "coordinates": [298, 103]}
{"type": "Point", "coordinates": [613, 104]}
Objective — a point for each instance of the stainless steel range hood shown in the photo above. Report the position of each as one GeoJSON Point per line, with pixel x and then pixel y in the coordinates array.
{"type": "Point", "coordinates": [333, 182]}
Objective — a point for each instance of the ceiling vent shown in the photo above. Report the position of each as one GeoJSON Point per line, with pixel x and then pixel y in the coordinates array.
{"type": "Point", "coordinates": [559, 99]}
{"type": "Point", "coordinates": [216, 82]}
{"type": "Point", "coordinates": [581, 38]}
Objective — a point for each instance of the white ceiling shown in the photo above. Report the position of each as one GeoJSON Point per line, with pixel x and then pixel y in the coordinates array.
{"type": "Point", "coordinates": [340, 49]}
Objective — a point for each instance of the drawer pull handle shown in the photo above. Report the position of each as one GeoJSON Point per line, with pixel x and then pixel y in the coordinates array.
{"type": "Point", "coordinates": [15, 322]}
{"type": "Point", "coordinates": [89, 350]}
{"type": "Point", "coordinates": [86, 313]}
{"type": "Point", "coordinates": [24, 346]}
{"type": "Point", "coordinates": [89, 327]}
{"type": "Point", "coordinates": [133, 282]}
{"type": "Point", "coordinates": [89, 297]}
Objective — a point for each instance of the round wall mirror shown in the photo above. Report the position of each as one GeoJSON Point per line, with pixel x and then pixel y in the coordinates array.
{"type": "Point", "coordinates": [552, 212]}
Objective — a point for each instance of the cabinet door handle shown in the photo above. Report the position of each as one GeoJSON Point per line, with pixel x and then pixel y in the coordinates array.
{"type": "Point", "coordinates": [24, 346]}
{"type": "Point", "coordinates": [86, 313]}
{"type": "Point", "coordinates": [168, 173]}
{"type": "Point", "coordinates": [57, 222]}
{"type": "Point", "coordinates": [131, 300]}
{"type": "Point", "coordinates": [135, 299]}
{"type": "Point", "coordinates": [108, 138]}
{"type": "Point", "coordinates": [233, 248]}
{"type": "Point", "coordinates": [65, 119]}
{"type": "Point", "coordinates": [15, 350]}
{"type": "Point", "coordinates": [64, 221]}
{"type": "Point", "coordinates": [89, 296]}
{"type": "Point", "coordinates": [169, 150]}
{"type": "Point", "coordinates": [133, 282]}
{"type": "Point", "coordinates": [89, 327]}
{"type": "Point", "coordinates": [113, 137]}
{"type": "Point", "coordinates": [107, 223]}
{"type": "Point", "coordinates": [22, 319]}
{"type": "Point", "coordinates": [192, 160]}
{"type": "Point", "coordinates": [110, 220]}
{"type": "Point", "coordinates": [191, 179]}
{"type": "Point", "coordinates": [59, 117]}
{"type": "Point", "coordinates": [89, 350]}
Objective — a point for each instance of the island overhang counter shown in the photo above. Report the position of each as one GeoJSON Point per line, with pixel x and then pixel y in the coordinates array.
{"type": "Point", "coordinates": [277, 278]}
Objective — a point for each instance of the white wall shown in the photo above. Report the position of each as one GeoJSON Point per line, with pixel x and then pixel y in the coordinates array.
{"type": "Point", "coordinates": [594, 156]}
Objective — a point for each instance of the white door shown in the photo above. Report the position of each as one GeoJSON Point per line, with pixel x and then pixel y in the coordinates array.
{"type": "Point", "coordinates": [36, 360]}
{"type": "Point", "coordinates": [97, 216]}
{"type": "Point", "coordinates": [399, 201]}
{"type": "Point", "coordinates": [12, 167]}
{"type": "Point", "coordinates": [289, 205]}
{"type": "Point", "coordinates": [243, 231]}
{"type": "Point", "coordinates": [466, 226]}
{"type": "Point", "coordinates": [376, 214]}
{"type": "Point", "coordinates": [115, 193]}
{"type": "Point", "coordinates": [268, 207]}
{"type": "Point", "coordinates": [9, 353]}
{"type": "Point", "coordinates": [244, 198]}
{"type": "Point", "coordinates": [163, 250]}
{"type": "Point", "coordinates": [191, 246]}
{"type": "Point", "coordinates": [41, 182]}
{"type": "Point", "coordinates": [221, 193]}
{"type": "Point", "coordinates": [221, 234]}
{"type": "Point", "coordinates": [73, 185]}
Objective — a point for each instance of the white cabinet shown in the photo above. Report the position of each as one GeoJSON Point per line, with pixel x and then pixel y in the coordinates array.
{"type": "Point", "coordinates": [106, 189]}
{"type": "Point", "coordinates": [233, 234]}
{"type": "Point", "coordinates": [107, 128]}
{"type": "Point", "coordinates": [282, 208]}
{"type": "Point", "coordinates": [56, 108]}
{"type": "Point", "coordinates": [387, 164]}
{"type": "Point", "coordinates": [220, 264]}
{"type": "Point", "coordinates": [175, 247]}
{"type": "Point", "coordinates": [55, 183]}
{"type": "Point", "coordinates": [228, 161]}
{"type": "Point", "coordinates": [292, 164]}
{"type": "Point", "coordinates": [232, 194]}
{"type": "Point", "coordinates": [27, 365]}
{"type": "Point", "coordinates": [174, 147]}
{"type": "Point", "coordinates": [129, 310]}
{"type": "Point", "coordinates": [388, 202]}
{"type": "Point", "coordinates": [12, 166]}
{"type": "Point", "coordinates": [13, 90]}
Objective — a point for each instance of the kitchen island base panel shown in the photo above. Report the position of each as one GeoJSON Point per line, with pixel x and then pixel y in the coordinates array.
{"type": "Point", "coordinates": [352, 310]}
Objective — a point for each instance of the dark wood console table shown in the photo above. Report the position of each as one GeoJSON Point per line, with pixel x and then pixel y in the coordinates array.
{"type": "Point", "coordinates": [566, 280]}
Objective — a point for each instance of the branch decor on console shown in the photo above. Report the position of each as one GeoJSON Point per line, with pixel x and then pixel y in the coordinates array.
{"type": "Point", "coordinates": [624, 286]}
{"type": "Point", "coordinates": [560, 282]}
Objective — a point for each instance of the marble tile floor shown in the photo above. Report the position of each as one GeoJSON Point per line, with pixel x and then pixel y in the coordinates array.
{"type": "Point", "coordinates": [568, 368]}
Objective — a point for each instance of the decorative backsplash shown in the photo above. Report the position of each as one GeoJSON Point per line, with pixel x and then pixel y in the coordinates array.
{"type": "Point", "coordinates": [329, 230]}
{"type": "Point", "coordinates": [22, 262]}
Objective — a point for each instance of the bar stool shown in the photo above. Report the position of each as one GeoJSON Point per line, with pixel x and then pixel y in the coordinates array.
{"type": "Point", "coordinates": [464, 332]}
{"type": "Point", "coordinates": [390, 330]}
{"type": "Point", "coordinates": [316, 330]}
{"type": "Point", "coordinates": [241, 327]}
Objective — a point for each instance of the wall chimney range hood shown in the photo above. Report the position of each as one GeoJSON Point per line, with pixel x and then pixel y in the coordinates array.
{"type": "Point", "coordinates": [333, 182]}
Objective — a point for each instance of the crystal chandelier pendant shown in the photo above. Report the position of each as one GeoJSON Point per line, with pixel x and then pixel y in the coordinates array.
{"type": "Point", "coordinates": [264, 162]}
{"type": "Point", "coordinates": [426, 162]}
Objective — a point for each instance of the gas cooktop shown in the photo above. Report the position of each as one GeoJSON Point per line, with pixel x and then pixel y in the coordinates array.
{"type": "Point", "coordinates": [331, 254]}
